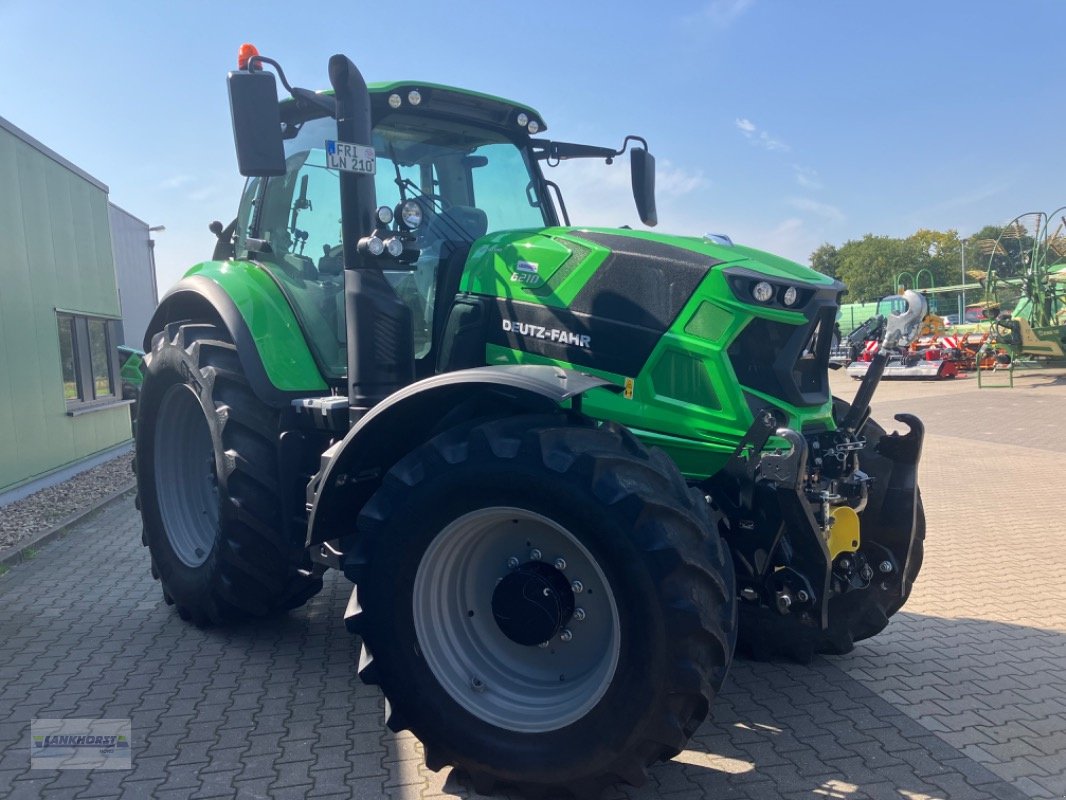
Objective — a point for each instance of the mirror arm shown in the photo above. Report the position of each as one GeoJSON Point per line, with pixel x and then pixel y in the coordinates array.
{"type": "Point", "coordinates": [631, 138]}
{"type": "Point", "coordinates": [547, 150]}
{"type": "Point", "coordinates": [255, 61]}
{"type": "Point", "coordinates": [303, 97]}
{"type": "Point", "coordinates": [306, 98]}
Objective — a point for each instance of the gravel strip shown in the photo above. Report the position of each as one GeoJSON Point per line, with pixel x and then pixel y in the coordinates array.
{"type": "Point", "coordinates": [42, 510]}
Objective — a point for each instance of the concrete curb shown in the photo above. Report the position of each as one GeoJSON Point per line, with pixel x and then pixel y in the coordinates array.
{"type": "Point", "coordinates": [15, 555]}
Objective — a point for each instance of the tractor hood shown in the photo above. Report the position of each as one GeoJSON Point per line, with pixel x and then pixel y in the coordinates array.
{"type": "Point", "coordinates": [604, 297]}
{"type": "Point", "coordinates": [554, 265]}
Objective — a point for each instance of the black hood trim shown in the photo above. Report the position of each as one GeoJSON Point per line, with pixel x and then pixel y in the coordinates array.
{"type": "Point", "coordinates": [591, 341]}
{"type": "Point", "coordinates": [643, 282]}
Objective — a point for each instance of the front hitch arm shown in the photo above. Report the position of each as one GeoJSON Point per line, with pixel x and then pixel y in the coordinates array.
{"type": "Point", "coordinates": [761, 493]}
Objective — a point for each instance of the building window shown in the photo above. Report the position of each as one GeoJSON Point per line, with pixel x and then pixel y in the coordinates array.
{"type": "Point", "coordinates": [66, 356]}
{"type": "Point", "coordinates": [100, 358]}
{"type": "Point", "coordinates": [89, 360]}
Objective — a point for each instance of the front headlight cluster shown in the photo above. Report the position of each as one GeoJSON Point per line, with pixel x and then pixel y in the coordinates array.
{"type": "Point", "coordinates": [769, 293]}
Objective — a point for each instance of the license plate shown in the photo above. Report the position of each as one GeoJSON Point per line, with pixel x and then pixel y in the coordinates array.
{"type": "Point", "coordinates": [350, 157]}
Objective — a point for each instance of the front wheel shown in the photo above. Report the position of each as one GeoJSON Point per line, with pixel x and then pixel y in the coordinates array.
{"type": "Point", "coordinates": [543, 602]}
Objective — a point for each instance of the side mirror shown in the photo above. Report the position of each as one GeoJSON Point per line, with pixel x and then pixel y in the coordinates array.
{"type": "Point", "coordinates": [253, 102]}
{"type": "Point", "coordinates": [642, 170]}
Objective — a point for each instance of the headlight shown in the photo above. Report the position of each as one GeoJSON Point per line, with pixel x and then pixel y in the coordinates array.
{"type": "Point", "coordinates": [523, 118]}
{"type": "Point", "coordinates": [762, 291]}
{"type": "Point", "coordinates": [384, 215]}
{"type": "Point", "coordinates": [375, 246]}
{"type": "Point", "coordinates": [411, 214]}
{"type": "Point", "coordinates": [414, 97]}
{"type": "Point", "coordinates": [395, 101]}
{"type": "Point", "coordinates": [791, 296]}
{"type": "Point", "coordinates": [394, 247]}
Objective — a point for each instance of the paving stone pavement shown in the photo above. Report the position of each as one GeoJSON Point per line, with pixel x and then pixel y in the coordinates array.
{"type": "Point", "coordinates": [963, 696]}
{"type": "Point", "coordinates": [978, 656]}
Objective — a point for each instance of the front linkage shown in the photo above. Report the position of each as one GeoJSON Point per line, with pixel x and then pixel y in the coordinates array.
{"type": "Point", "coordinates": [824, 527]}
{"type": "Point", "coordinates": [785, 505]}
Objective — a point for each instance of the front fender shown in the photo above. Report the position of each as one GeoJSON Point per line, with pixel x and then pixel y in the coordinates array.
{"type": "Point", "coordinates": [352, 469]}
{"type": "Point", "coordinates": [271, 345]}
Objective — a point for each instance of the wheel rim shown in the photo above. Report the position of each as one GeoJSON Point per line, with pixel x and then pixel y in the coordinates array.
{"type": "Point", "coordinates": [526, 688]}
{"type": "Point", "coordinates": [186, 485]}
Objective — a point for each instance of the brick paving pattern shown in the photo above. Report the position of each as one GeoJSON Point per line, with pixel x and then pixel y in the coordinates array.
{"type": "Point", "coordinates": [963, 696]}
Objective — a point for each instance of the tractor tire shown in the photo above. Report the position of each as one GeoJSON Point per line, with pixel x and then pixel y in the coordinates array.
{"type": "Point", "coordinates": [498, 535]}
{"type": "Point", "coordinates": [208, 484]}
{"type": "Point", "coordinates": [853, 616]}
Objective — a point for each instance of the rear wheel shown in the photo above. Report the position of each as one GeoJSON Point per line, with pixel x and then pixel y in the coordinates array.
{"type": "Point", "coordinates": [854, 615]}
{"type": "Point", "coordinates": [208, 484]}
{"type": "Point", "coordinates": [543, 602]}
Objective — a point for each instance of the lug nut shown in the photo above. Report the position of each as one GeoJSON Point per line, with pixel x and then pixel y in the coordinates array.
{"type": "Point", "coordinates": [578, 587]}
{"type": "Point", "coordinates": [535, 554]}
{"type": "Point", "coordinates": [867, 573]}
{"type": "Point", "coordinates": [565, 635]}
{"type": "Point", "coordinates": [560, 564]}
{"type": "Point", "coordinates": [802, 596]}
{"type": "Point", "coordinates": [477, 684]}
{"type": "Point", "coordinates": [579, 614]}
{"type": "Point", "coordinates": [845, 563]}
{"type": "Point", "coordinates": [784, 602]}
{"type": "Point", "coordinates": [512, 563]}
{"type": "Point", "coordinates": [885, 567]}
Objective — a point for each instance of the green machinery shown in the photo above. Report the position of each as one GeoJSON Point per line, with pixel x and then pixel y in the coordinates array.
{"type": "Point", "coordinates": [566, 468]}
{"type": "Point", "coordinates": [1027, 274]}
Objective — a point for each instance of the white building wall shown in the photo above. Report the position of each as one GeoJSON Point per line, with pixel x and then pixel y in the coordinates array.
{"type": "Point", "coordinates": [135, 271]}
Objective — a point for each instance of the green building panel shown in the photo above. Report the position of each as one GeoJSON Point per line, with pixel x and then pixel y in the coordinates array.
{"type": "Point", "coordinates": [55, 255]}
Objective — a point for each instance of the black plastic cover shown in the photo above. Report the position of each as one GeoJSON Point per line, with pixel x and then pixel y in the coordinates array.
{"type": "Point", "coordinates": [253, 101]}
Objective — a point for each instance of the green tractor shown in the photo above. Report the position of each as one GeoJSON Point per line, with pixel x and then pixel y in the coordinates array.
{"type": "Point", "coordinates": [567, 469]}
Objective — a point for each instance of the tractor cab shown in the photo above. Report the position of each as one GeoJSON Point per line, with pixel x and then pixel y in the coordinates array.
{"type": "Point", "coordinates": [449, 168]}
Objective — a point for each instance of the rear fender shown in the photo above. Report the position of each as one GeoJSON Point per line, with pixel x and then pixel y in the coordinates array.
{"type": "Point", "coordinates": [352, 469]}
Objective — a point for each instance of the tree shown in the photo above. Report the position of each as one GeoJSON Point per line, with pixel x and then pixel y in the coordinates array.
{"type": "Point", "coordinates": [826, 260]}
{"type": "Point", "coordinates": [869, 266]}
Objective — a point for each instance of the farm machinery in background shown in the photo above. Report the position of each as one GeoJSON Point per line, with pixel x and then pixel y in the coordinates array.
{"type": "Point", "coordinates": [1025, 291]}
{"type": "Point", "coordinates": [935, 353]}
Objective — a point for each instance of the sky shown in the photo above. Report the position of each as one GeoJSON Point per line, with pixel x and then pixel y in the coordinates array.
{"type": "Point", "coordinates": [782, 124]}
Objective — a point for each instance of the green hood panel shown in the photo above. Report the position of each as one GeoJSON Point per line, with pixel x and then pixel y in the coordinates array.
{"type": "Point", "coordinates": [550, 266]}
{"type": "Point", "coordinates": [655, 314]}
{"type": "Point", "coordinates": [278, 337]}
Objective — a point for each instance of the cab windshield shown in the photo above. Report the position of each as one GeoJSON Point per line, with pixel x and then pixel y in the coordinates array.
{"type": "Point", "coordinates": [469, 181]}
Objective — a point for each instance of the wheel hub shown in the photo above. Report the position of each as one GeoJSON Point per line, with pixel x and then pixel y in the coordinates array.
{"type": "Point", "coordinates": [532, 603]}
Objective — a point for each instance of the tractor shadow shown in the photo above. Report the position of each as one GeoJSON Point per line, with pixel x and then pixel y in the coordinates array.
{"type": "Point", "coordinates": [778, 729]}
{"type": "Point", "coordinates": [887, 719]}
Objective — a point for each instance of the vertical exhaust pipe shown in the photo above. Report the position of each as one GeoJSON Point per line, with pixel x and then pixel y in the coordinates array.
{"type": "Point", "coordinates": [379, 334]}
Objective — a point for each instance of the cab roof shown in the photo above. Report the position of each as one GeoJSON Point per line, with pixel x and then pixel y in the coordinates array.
{"type": "Point", "coordinates": [453, 101]}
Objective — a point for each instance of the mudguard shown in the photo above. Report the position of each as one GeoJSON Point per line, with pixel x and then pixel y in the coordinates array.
{"type": "Point", "coordinates": [241, 296]}
{"type": "Point", "coordinates": [352, 469]}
